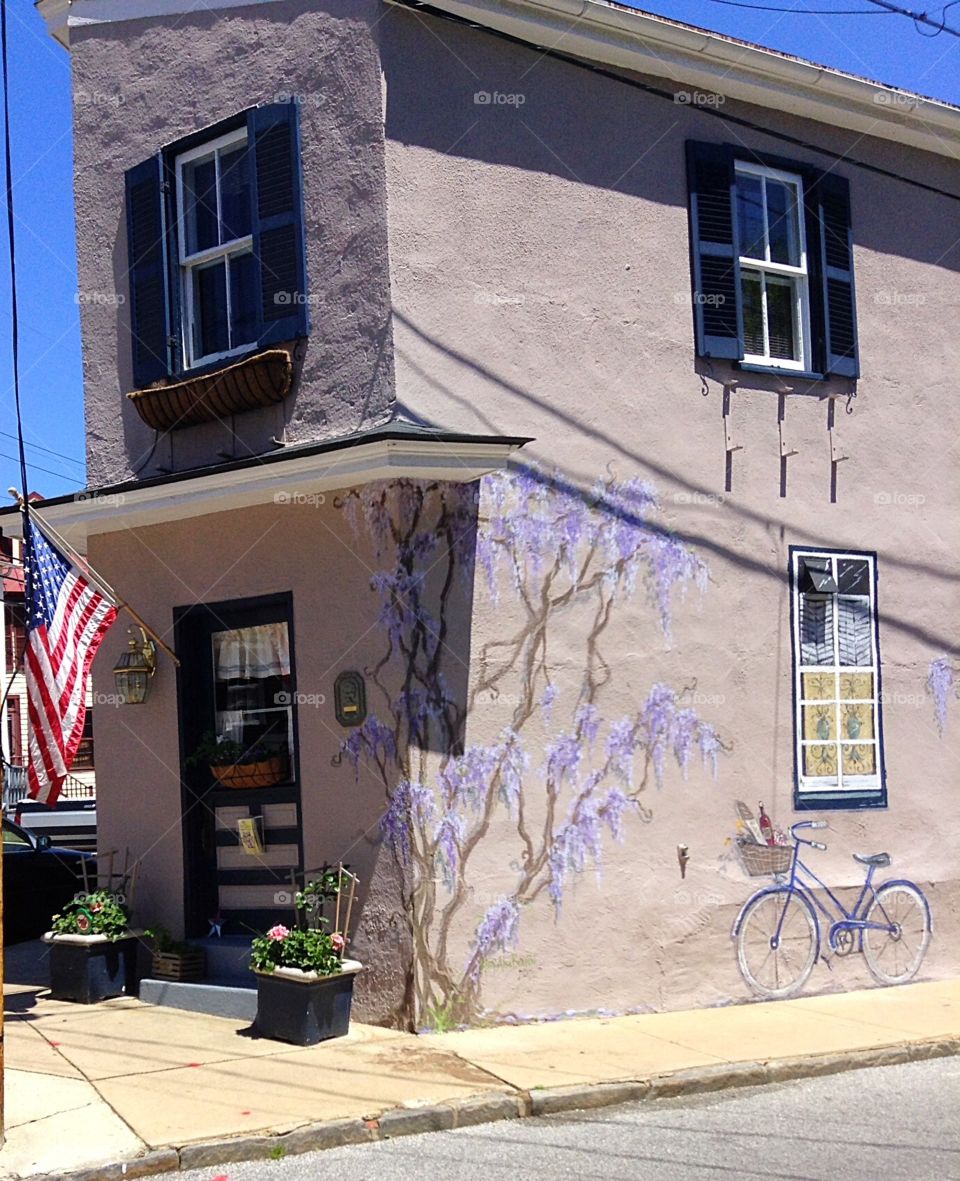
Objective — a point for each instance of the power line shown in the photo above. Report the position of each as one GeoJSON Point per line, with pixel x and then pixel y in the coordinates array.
{"type": "Point", "coordinates": [37, 468]}
{"type": "Point", "coordinates": [802, 11]}
{"type": "Point", "coordinates": [37, 447]}
{"type": "Point", "coordinates": [921, 18]}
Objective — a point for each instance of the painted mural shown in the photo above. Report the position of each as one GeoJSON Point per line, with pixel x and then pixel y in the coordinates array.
{"type": "Point", "coordinates": [561, 776]}
{"type": "Point", "coordinates": [942, 686]}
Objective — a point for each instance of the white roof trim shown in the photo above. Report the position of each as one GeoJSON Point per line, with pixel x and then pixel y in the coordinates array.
{"type": "Point", "coordinates": [633, 40]}
{"type": "Point", "coordinates": [688, 58]}
{"type": "Point", "coordinates": [280, 483]}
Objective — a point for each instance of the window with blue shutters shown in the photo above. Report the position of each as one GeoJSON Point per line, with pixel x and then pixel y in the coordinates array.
{"type": "Point", "coordinates": [837, 696]}
{"type": "Point", "coordinates": [771, 263]}
{"type": "Point", "coordinates": [216, 246]}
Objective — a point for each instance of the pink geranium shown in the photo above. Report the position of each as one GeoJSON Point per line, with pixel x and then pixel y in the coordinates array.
{"type": "Point", "coordinates": [337, 940]}
{"type": "Point", "coordinates": [278, 933]}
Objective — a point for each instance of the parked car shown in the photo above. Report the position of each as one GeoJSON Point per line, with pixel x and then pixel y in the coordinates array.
{"type": "Point", "coordinates": [38, 878]}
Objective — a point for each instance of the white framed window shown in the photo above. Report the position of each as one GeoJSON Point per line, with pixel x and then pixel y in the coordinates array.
{"type": "Point", "coordinates": [836, 677]}
{"type": "Point", "coordinates": [215, 243]}
{"type": "Point", "coordinates": [774, 274]}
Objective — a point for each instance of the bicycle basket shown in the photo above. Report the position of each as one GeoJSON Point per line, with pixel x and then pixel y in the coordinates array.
{"type": "Point", "coordinates": [761, 860]}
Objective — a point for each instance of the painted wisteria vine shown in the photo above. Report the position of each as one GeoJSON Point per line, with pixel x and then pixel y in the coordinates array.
{"type": "Point", "coordinates": [540, 549]}
{"type": "Point", "coordinates": [942, 685]}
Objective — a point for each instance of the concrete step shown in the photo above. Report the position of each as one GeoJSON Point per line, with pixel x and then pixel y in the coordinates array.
{"type": "Point", "coordinates": [227, 997]}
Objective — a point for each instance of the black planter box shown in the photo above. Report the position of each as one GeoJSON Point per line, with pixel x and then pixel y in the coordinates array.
{"type": "Point", "coordinates": [91, 972]}
{"type": "Point", "coordinates": [304, 1013]}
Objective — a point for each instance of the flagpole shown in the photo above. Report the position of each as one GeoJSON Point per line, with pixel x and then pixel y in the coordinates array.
{"type": "Point", "coordinates": [102, 584]}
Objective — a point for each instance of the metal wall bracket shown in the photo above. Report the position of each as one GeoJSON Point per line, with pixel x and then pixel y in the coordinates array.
{"type": "Point", "coordinates": [729, 441]}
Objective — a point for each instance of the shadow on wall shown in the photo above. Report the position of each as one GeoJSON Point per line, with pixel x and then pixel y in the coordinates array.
{"type": "Point", "coordinates": [466, 93]}
{"type": "Point", "coordinates": [706, 542]}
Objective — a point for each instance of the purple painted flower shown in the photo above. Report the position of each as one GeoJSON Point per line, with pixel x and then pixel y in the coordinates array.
{"type": "Point", "coordinates": [550, 695]}
{"type": "Point", "coordinates": [940, 682]}
{"type": "Point", "coordinates": [410, 804]}
{"type": "Point", "coordinates": [563, 758]}
{"type": "Point", "coordinates": [498, 930]}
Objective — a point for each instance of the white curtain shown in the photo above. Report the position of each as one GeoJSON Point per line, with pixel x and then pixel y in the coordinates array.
{"type": "Point", "coordinates": [252, 653]}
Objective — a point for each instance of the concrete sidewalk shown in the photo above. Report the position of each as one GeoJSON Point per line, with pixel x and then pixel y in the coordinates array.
{"type": "Point", "coordinates": [158, 1089]}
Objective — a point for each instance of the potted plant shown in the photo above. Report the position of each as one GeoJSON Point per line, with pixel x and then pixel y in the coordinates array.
{"type": "Point", "coordinates": [304, 984]}
{"type": "Point", "coordinates": [173, 959]}
{"type": "Point", "coordinates": [93, 952]}
{"type": "Point", "coordinates": [234, 765]}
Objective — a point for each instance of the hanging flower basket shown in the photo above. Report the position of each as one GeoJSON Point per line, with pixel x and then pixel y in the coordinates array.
{"type": "Point", "coordinates": [265, 773]}
{"type": "Point", "coordinates": [257, 381]}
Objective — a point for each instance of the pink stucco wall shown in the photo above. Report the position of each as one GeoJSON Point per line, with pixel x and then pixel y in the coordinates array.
{"type": "Point", "coordinates": [310, 551]}
{"type": "Point", "coordinates": [539, 279]}
{"type": "Point", "coordinates": [142, 85]}
{"type": "Point", "coordinates": [540, 274]}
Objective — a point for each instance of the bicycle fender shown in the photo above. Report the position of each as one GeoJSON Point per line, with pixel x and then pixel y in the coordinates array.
{"type": "Point", "coordinates": [913, 886]}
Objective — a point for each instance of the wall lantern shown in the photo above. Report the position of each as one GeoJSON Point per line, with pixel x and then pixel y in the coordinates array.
{"type": "Point", "coordinates": [134, 670]}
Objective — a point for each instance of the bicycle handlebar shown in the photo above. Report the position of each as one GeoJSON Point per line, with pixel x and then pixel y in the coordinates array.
{"type": "Point", "coordinates": [808, 824]}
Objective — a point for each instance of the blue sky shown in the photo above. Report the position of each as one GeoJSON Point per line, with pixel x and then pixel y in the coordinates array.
{"type": "Point", "coordinates": [886, 47]}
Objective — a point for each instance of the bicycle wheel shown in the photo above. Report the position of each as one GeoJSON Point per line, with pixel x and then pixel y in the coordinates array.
{"type": "Point", "coordinates": [777, 967]}
{"type": "Point", "coordinates": [894, 955]}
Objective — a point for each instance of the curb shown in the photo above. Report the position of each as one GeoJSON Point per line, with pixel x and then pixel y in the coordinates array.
{"type": "Point", "coordinates": [484, 1109]}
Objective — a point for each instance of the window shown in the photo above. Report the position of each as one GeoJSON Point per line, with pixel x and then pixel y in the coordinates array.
{"type": "Point", "coordinates": [216, 245]}
{"type": "Point", "coordinates": [216, 250]}
{"type": "Point", "coordinates": [772, 259]}
{"type": "Point", "coordinates": [14, 731]}
{"type": "Point", "coordinates": [839, 754]}
{"type": "Point", "coordinates": [773, 267]}
{"type": "Point", "coordinates": [83, 759]}
{"type": "Point", "coordinates": [16, 634]}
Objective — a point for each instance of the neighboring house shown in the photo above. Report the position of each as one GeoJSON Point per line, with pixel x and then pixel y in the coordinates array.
{"type": "Point", "coordinates": [73, 822]}
{"type": "Point", "coordinates": [536, 450]}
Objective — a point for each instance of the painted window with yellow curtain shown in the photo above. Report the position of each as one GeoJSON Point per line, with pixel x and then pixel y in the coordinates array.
{"type": "Point", "coordinates": [836, 666]}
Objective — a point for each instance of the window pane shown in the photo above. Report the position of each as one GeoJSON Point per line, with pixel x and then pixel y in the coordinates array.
{"type": "Point", "coordinates": [780, 306]}
{"type": "Point", "coordinates": [12, 837]}
{"type": "Point", "coordinates": [820, 760]}
{"type": "Point", "coordinates": [750, 215]}
{"type": "Point", "coordinates": [234, 194]}
{"type": "Point", "coordinates": [853, 632]}
{"type": "Point", "coordinates": [243, 304]}
{"type": "Point", "coordinates": [252, 688]}
{"type": "Point", "coordinates": [856, 721]}
{"type": "Point", "coordinates": [816, 630]}
{"type": "Point", "coordinates": [782, 227]}
{"type": "Point", "coordinates": [200, 205]}
{"type": "Point", "coordinates": [820, 686]}
{"type": "Point", "coordinates": [210, 310]}
{"type": "Point", "coordinates": [859, 758]}
{"type": "Point", "coordinates": [856, 686]}
{"type": "Point", "coordinates": [820, 722]}
{"type": "Point", "coordinates": [752, 314]}
{"type": "Point", "coordinates": [853, 576]}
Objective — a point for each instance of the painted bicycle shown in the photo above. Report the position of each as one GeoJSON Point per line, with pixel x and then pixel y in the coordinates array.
{"type": "Point", "coordinates": [778, 933]}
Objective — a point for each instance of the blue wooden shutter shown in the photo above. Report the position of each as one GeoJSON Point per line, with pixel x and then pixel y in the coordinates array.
{"type": "Point", "coordinates": [718, 318]}
{"type": "Point", "coordinates": [841, 352]}
{"type": "Point", "coordinates": [278, 237]}
{"type": "Point", "coordinates": [146, 260]}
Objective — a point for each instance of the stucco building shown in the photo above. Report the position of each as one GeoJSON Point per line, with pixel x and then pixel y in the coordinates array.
{"type": "Point", "coordinates": [579, 383]}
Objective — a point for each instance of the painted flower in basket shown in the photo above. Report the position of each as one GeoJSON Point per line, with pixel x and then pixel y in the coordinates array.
{"type": "Point", "coordinates": [304, 984]}
{"type": "Point", "coordinates": [234, 764]}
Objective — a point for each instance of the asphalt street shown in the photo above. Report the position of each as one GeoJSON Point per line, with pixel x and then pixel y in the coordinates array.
{"type": "Point", "coordinates": [899, 1123]}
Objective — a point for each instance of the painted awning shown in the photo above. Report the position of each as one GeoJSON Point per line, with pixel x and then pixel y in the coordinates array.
{"type": "Point", "coordinates": [394, 451]}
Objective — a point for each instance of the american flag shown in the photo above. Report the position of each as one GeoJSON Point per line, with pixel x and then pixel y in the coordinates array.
{"type": "Point", "coordinates": [67, 617]}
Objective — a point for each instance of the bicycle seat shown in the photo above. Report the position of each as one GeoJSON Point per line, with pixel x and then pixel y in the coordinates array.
{"type": "Point", "coordinates": [878, 859]}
